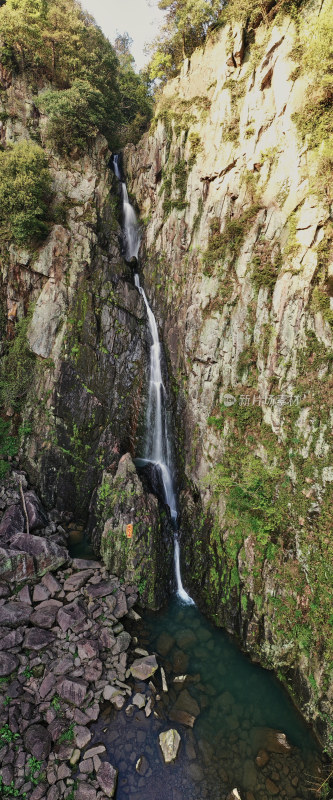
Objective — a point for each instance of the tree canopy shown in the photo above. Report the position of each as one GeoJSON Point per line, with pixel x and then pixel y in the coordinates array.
{"type": "Point", "coordinates": [57, 40]}
{"type": "Point", "coordinates": [186, 25]}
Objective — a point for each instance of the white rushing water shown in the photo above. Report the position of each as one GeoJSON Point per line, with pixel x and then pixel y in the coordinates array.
{"type": "Point", "coordinates": [157, 448]}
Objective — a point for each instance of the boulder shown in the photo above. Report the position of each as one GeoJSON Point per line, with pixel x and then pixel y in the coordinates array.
{"type": "Point", "coordinates": [102, 589]}
{"type": "Point", "coordinates": [144, 668]}
{"type": "Point", "coordinates": [169, 744]}
{"type": "Point", "coordinates": [48, 555]}
{"type": "Point", "coordinates": [14, 614]}
{"type": "Point", "coordinates": [37, 741]}
{"type": "Point", "coordinates": [78, 580]}
{"type": "Point", "coordinates": [107, 778]}
{"type": "Point", "coordinates": [85, 792]}
{"type": "Point", "coordinates": [36, 515]}
{"type": "Point", "coordinates": [88, 649]}
{"type": "Point", "coordinates": [12, 522]}
{"type": "Point", "coordinates": [71, 617]}
{"type": "Point", "coordinates": [8, 663]}
{"type": "Point", "coordinates": [44, 617]}
{"type": "Point", "coordinates": [37, 639]}
{"type": "Point", "coordinates": [9, 639]}
{"type": "Point", "coordinates": [15, 566]}
{"type": "Point", "coordinates": [72, 690]}
{"type": "Point", "coordinates": [271, 740]}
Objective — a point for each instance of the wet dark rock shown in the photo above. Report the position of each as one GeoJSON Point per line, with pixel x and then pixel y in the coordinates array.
{"type": "Point", "coordinates": [142, 765]}
{"type": "Point", "coordinates": [182, 717]}
{"type": "Point", "coordinates": [262, 758]}
{"type": "Point", "coordinates": [12, 522]}
{"type": "Point", "coordinates": [48, 555]}
{"type": "Point", "coordinates": [107, 778]}
{"type": "Point", "coordinates": [14, 614]}
{"type": "Point", "coordinates": [37, 741]}
{"type": "Point", "coordinates": [165, 643]}
{"type": "Point", "coordinates": [36, 515]}
{"type": "Point", "coordinates": [37, 639]}
{"type": "Point", "coordinates": [152, 475]}
{"type": "Point", "coordinates": [8, 663]}
{"type": "Point", "coordinates": [122, 644]}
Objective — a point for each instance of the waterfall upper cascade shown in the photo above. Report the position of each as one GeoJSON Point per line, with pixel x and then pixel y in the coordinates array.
{"type": "Point", "coordinates": [157, 448]}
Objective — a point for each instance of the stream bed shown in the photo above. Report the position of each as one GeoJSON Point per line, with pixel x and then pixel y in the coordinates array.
{"type": "Point", "coordinates": [238, 708]}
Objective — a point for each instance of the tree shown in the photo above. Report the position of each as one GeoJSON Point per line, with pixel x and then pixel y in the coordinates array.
{"type": "Point", "coordinates": [186, 26]}
{"type": "Point", "coordinates": [25, 186]}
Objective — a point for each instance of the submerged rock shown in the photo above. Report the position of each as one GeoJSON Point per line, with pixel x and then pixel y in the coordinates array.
{"type": "Point", "coordinates": [144, 668]}
{"type": "Point", "coordinates": [169, 744]}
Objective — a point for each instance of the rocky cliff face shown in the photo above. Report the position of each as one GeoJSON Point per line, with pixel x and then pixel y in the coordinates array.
{"type": "Point", "coordinates": [86, 328]}
{"type": "Point", "coordinates": [238, 246]}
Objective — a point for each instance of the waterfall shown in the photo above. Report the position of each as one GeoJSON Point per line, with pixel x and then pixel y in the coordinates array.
{"type": "Point", "coordinates": [158, 446]}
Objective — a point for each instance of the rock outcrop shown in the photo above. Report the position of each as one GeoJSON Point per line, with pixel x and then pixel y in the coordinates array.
{"type": "Point", "coordinates": [238, 252]}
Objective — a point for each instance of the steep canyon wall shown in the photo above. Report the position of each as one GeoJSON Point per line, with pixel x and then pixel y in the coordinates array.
{"type": "Point", "coordinates": [233, 191]}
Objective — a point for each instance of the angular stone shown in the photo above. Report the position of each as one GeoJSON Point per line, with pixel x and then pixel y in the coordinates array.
{"type": "Point", "coordinates": [71, 616]}
{"type": "Point", "coordinates": [44, 617]}
{"type": "Point", "coordinates": [88, 649]}
{"type": "Point", "coordinates": [95, 751]}
{"type": "Point", "coordinates": [185, 702]}
{"type": "Point", "coordinates": [120, 609]}
{"type": "Point", "coordinates": [271, 787]}
{"type": "Point", "coordinates": [183, 717]}
{"type": "Point", "coordinates": [36, 514]}
{"type": "Point", "coordinates": [77, 581]}
{"type": "Point", "coordinates": [139, 700]}
{"type": "Point", "coordinates": [142, 765]}
{"type": "Point", "coordinates": [37, 741]}
{"type": "Point", "coordinates": [37, 639]}
{"type": "Point", "coordinates": [102, 589]}
{"type": "Point", "coordinates": [14, 614]}
{"type": "Point", "coordinates": [82, 736]}
{"type": "Point", "coordinates": [8, 663]}
{"type": "Point", "coordinates": [84, 563]}
{"type": "Point", "coordinates": [106, 639]}
{"type": "Point", "coordinates": [144, 668]}
{"type": "Point", "coordinates": [107, 778]}
{"type": "Point", "coordinates": [85, 792]}
{"type": "Point", "coordinates": [12, 522]}
{"type": "Point", "coordinates": [93, 671]}
{"type": "Point", "coordinates": [51, 584]}
{"type": "Point", "coordinates": [10, 639]}
{"type": "Point", "coordinates": [40, 593]}
{"type": "Point", "coordinates": [15, 566]}
{"type": "Point", "coordinates": [74, 691]}
{"type": "Point", "coordinates": [169, 744]}
{"type": "Point", "coordinates": [122, 644]}
{"type": "Point", "coordinates": [109, 692]}
{"type": "Point", "coordinates": [164, 643]}
{"type": "Point", "coordinates": [48, 555]}
{"type": "Point", "coordinates": [47, 685]}
{"type": "Point", "coordinates": [39, 792]}
{"type": "Point", "coordinates": [271, 740]}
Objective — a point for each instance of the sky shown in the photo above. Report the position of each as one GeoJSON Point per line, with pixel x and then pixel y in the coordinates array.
{"type": "Point", "coordinates": [140, 18]}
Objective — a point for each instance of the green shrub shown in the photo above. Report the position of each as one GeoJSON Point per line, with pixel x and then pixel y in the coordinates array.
{"type": "Point", "coordinates": [25, 186]}
{"type": "Point", "coordinates": [16, 367]}
{"type": "Point", "coordinates": [75, 116]}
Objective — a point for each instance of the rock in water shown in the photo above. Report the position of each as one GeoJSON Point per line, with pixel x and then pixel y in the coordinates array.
{"type": "Point", "coordinates": [107, 778]}
{"type": "Point", "coordinates": [143, 668]}
{"type": "Point", "coordinates": [169, 744]}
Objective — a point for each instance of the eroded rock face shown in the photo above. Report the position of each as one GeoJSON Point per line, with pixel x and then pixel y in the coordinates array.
{"type": "Point", "coordinates": [238, 229]}
{"type": "Point", "coordinates": [143, 557]}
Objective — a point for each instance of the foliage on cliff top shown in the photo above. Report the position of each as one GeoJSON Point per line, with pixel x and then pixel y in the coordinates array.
{"type": "Point", "coordinates": [25, 184]}
{"type": "Point", "coordinates": [57, 40]}
{"type": "Point", "coordinates": [188, 22]}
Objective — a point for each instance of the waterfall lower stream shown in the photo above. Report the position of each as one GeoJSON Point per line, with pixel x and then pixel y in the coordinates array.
{"type": "Point", "coordinates": [158, 444]}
